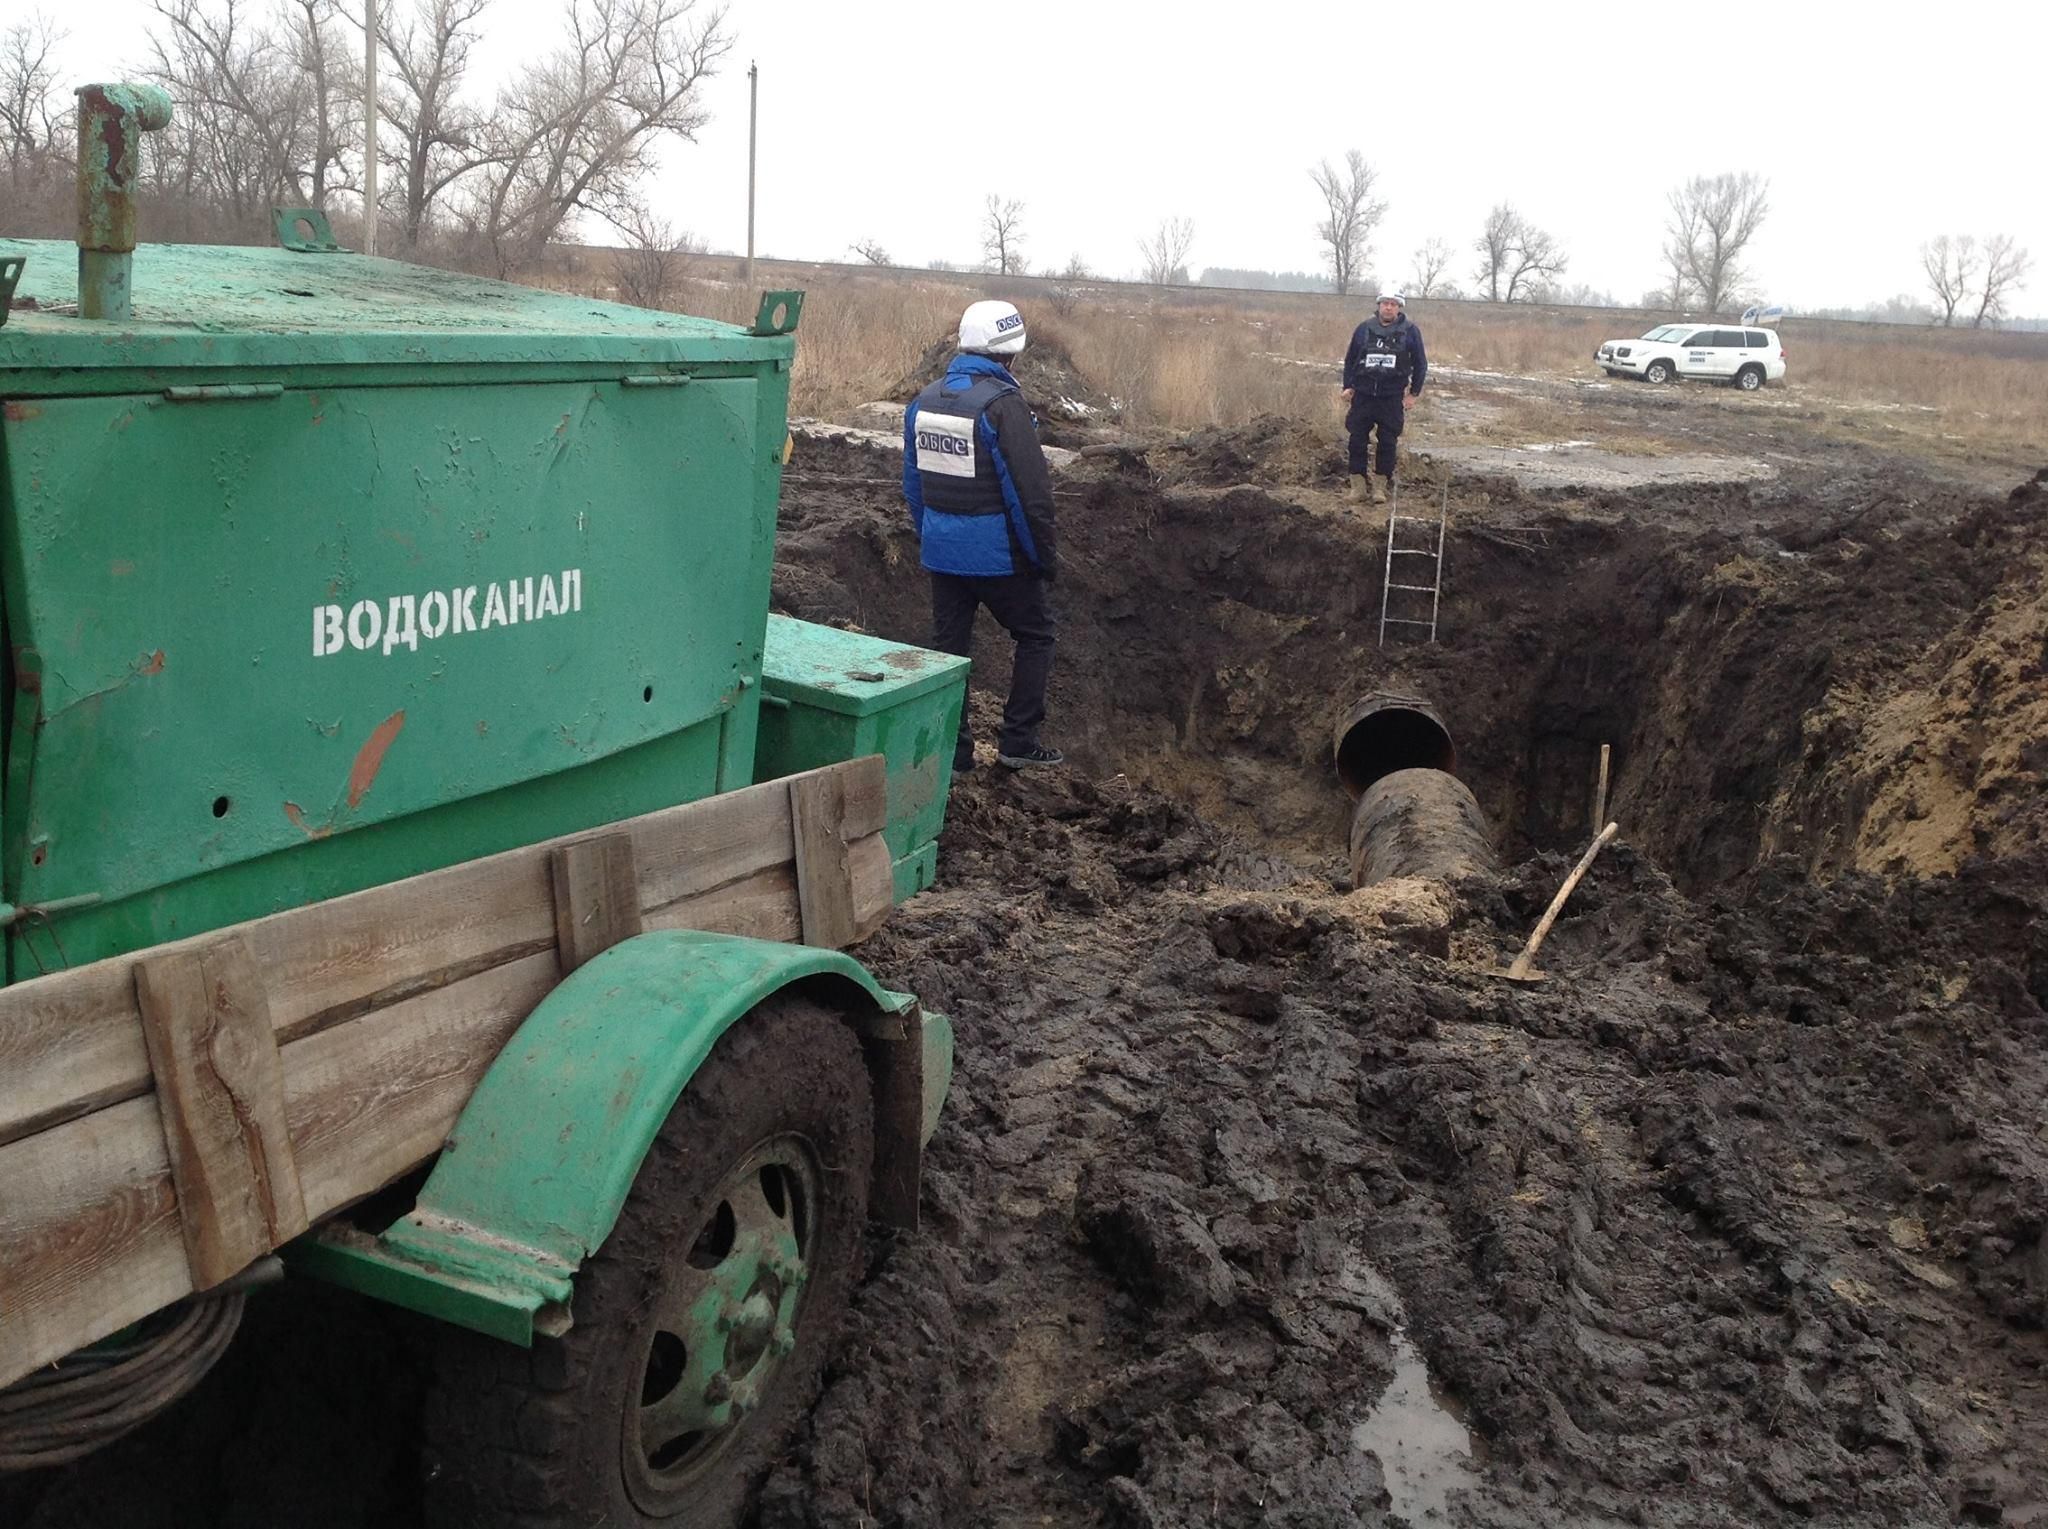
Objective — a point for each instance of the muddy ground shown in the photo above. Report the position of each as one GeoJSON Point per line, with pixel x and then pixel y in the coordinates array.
{"type": "Point", "coordinates": [1262, 1202]}
{"type": "Point", "coordinates": [1738, 1219]}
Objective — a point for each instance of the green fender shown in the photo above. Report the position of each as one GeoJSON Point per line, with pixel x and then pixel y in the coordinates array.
{"type": "Point", "coordinates": [534, 1174]}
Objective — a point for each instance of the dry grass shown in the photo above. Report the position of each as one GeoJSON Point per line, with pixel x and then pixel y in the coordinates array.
{"type": "Point", "coordinates": [1182, 358]}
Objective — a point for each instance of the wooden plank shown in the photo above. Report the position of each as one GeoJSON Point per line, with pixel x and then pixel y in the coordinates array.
{"type": "Point", "coordinates": [89, 1237]}
{"type": "Point", "coordinates": [874, 885]}
{"type": "Point", "coordinates": [597, 897]}
{"type": "Point", "coordinates": [220, 1094]}
{"type": "Point", "coordinates": [69, 1044]}
{"type": "Point", "coordinates": [72, 1043]}
{"type": "Point", "coordinates": [824, 874]}
{"type": "Point", "coordinates": [762, 907]}
{"type": "Point", "coordinates": [371, 1100]}
{"type": "Point", "coordinates": [684, 857]}
{"type": "Point", "coordinates": [89, 1229]}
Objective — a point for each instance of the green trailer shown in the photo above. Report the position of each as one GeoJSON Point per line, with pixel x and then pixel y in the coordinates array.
{"type": "Point", "coordinates": [424, 865]}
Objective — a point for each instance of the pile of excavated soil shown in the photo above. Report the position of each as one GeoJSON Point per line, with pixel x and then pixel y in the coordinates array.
{"type": "Point", "coordinates": [1736, 1219]}
{"type": "Point", "coordinates": [1066, 402]}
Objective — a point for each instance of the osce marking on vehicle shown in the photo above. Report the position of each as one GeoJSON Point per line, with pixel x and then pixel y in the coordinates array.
{"type": "Point", "coordinates": [402, 620]}
{"type": "Point", "coordinates": [945, 445]}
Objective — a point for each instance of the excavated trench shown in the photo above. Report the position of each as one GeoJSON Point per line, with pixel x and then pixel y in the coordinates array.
{"type": "Point", "coordinates": [1212, 641]}
{"type": "Point", "coordinates": [1261, 1199]}
{"type": "Point", "coordinates": [1260, 1184]}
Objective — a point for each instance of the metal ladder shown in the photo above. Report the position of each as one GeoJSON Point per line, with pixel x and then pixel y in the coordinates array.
{"type": "Point", "coordinates": [1435, 588]}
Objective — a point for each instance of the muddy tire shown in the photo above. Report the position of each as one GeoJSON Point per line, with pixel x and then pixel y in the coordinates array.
{"type": "Point", "coordinates": [1658, 371]}
{"type": "Point", "coordinates": [1750, 378]}
{"type": "Point", "coordinates": [702, 1325]}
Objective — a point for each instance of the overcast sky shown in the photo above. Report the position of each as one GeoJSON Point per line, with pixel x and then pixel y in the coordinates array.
{"type": "Point", "coordinates": [1878, 126]}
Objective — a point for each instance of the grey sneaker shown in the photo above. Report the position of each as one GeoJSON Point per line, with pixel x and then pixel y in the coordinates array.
{"type": "Point", "coordinates": [1040, 755]}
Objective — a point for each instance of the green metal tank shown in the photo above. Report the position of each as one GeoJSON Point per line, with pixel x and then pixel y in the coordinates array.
{"type": "Point", "coordinates": [321, 570]}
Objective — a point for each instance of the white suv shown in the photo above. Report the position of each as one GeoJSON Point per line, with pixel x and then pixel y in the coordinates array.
{"type": "Point", "coordinates": [1747, 358]}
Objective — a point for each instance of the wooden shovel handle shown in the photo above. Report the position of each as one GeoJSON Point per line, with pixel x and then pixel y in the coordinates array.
{"type": "Point", "coordinates": [1527, 959]}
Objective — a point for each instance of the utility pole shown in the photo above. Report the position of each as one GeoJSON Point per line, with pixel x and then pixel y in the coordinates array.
{"type": "Point", "coordinates": [369, 127]}
{"type": "Point", "coordinates": [753, 116]}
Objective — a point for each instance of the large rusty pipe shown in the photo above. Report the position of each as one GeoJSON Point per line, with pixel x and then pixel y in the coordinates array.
{"type": "Point", "coordinates": [111, 122]}
{"type": "Point", "coordinates": [1418, 823]}
{"type": "Point", "coordinates": [1413, 817]}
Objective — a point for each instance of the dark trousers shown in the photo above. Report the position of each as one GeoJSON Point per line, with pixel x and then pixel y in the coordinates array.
{"type": "Point", "coordinates": [1366, 413]}
{"type": "Point", "coordinates": [1018, 601]}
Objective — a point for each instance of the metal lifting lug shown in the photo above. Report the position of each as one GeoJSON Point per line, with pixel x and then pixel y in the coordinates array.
{"type": "Point", "coordinates": [778, 313]}
{"type": "Point", "coordinates": [11, 268]}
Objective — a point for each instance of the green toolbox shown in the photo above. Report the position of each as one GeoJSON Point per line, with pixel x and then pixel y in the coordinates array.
{"type": "Point", "coordinates": [829, 695]}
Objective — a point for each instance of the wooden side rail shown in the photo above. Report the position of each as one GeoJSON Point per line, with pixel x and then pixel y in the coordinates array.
{"type": "Point", "coordinates": [169, 1116]}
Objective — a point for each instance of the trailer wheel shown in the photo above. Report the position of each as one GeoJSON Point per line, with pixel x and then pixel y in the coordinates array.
{"type": "Point", "coordinates": [702, 1325]}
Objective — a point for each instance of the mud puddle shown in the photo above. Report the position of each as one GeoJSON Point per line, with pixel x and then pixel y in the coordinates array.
{"type": "Point", "coordinates": [1415, 1431]}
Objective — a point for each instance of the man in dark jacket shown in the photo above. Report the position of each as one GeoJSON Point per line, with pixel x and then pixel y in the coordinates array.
{"type": "Point", "coordinates": [1383, 369]}
{"type": "Point", "coordinates": [981, 498]}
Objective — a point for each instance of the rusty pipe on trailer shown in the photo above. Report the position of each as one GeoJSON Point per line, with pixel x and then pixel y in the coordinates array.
{"type": "Point", "coordinates": [1413, 816]}
{"type": "Point", "coordinates": [111, 122]}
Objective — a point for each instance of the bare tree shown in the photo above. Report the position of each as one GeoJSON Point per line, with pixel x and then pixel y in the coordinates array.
{"type": "Point", "coordinates": [35, 126]}
{"type": "Point", "coordinates": [324, 95]}
{"type": "Point", "coordinates": [1165, 254]}
{"type": "Point", "coordinates": [1713, 219]}
{"type": "Point", "coordinates": [1002, 236]}
{"type": "Point", "coordinates": [437, 138]}
{"type": "Point", "coordinates": [655, 260]}
{"type": "Point", "coordinates": [871, 251]}
{"type": "Point", "coordinates": [1676, 295]}
{"type": "Point", "coordinates": [1535, 260]}
{"type": "Point", "coordinates": [266, 114]}
{"type": "Point", "coordinates": [1350, 215]}
{"type": "Point", "coordinates": [1515, 256]}
{"type": "Point", "coordinates": [577, 130]}
{"type": "Point", "coordinates": [2006, 266]}
{"type": "Point", "coordinates": [1949, 264]}
{"type": "Point", "coordinates": [1496, 245]}
{"type": "Point", "coordinates": [1432, 270]}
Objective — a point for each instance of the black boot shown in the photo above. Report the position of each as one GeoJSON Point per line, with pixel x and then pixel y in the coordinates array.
{"type": "Point", "coordinates": [1037, 755]}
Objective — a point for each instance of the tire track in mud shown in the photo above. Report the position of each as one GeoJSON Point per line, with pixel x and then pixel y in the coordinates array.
{"type": "Point", "coordinates": [1620, 1213]}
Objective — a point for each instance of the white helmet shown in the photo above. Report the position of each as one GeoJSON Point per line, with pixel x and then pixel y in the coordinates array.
{"type": "Point", "coordinates": [992, 328]}
{"type": "Point", "coordinates": [1395, 296]}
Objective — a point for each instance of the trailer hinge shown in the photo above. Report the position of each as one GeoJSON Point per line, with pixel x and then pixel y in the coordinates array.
{"type": "Point", "coordinates": [225, 392]}
{"type": "Point", "coordinates": [655, 380]}
{"type": "Point", "coordinates": [11, 268]}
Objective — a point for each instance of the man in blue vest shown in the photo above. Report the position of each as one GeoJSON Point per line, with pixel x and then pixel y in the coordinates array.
{"type": "Point", "coordinates": [981, 499]}
{"type": "Point", "coordinates": [1383, 368]}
